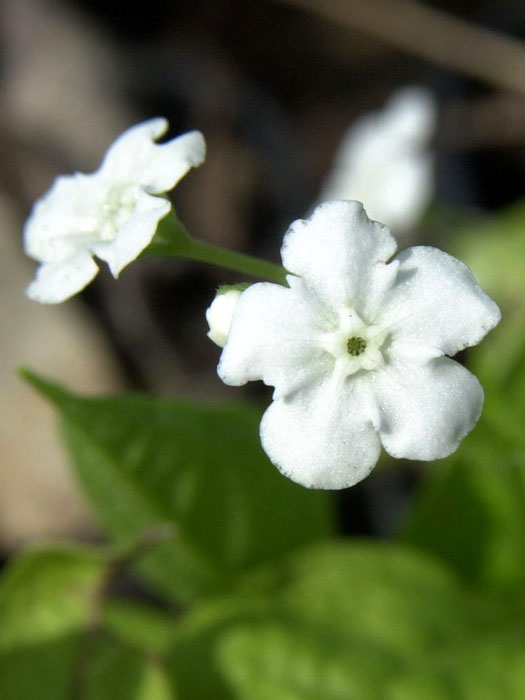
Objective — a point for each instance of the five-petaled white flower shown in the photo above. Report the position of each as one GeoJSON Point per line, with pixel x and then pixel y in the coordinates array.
{"type": "Point", "coordinates": [384, 160]}
{"type": "Point", "coordinates": [356, 349]}
{"type": "Point", "coordinates": [112, 213]}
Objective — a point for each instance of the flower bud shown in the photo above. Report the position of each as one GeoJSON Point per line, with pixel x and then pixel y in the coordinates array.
{"type": "Point", "coordinates": [219, 315]}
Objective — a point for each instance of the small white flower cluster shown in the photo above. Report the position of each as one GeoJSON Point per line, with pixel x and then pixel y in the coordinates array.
{"type": "Point", "coordinates": [356, 348]}
{"type": "Point", "coordinates": [112, 213]}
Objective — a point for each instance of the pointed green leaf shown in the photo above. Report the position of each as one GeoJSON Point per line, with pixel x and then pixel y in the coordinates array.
{"type": "Point", "coordinates": [146, 462]}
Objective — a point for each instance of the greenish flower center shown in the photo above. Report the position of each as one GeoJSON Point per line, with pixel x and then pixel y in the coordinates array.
{"type": "Point", "coordinates": [356, 345]}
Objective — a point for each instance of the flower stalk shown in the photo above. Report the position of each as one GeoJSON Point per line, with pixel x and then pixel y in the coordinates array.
{"type": "Point", "coordinates": [173, 240]}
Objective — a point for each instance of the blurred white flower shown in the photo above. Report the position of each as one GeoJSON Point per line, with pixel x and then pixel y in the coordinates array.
{"type": "Point", "coordinates": [112, 213]}
{"type": "Point", "coordinates": [219, 315]}
{"type": "Point", "coordinates": [356, 349]}
{"type": "Point", "coordinates": [384, 161]}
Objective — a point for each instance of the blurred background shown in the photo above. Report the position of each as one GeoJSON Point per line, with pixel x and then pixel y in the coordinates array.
{"type": "Point", "coordinates": [274, 86]}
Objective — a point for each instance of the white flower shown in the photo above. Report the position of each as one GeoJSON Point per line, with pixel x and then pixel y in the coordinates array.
{"type": "Point", "coordinates": [356, 349]}
{"type": "Point", "coordinates": [112, 213]}
{"type": "Point", "coordinates": [383, 161]}
{"type": "Point", "coordinates": [219, 315]}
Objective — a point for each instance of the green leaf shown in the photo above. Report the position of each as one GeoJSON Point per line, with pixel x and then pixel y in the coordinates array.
{"type": "Point", "coordinates": [357, 621]}
{"type": "Point", "coordinates": [52, 644]}
{"type": "Point", "coordinates": [47, 598]}
{"type": "Point", "coordinates": [493, 248]}
{"type": "Point", "coordinates": [118, 671]}
{"type": "Point", "coordinates": [470, 512]}
{"type": "Point", "coordinates": [139, 625]}
{"type": "Point", "coordinates": [42, 671]}
{"type": "Point", "coordinates": [379, 591]}
{"type": "Point", "coordinates": [286, 661]}
{"type": "Point", "coordinates": [145, 462]}
{"type": "Point", "coordinates": [47, 594]}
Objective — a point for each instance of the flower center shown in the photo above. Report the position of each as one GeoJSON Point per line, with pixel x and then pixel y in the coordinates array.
{"type": "Point", "coordinates": [356, 345]}
{"type": "Point", "coordinates": [116, 210]}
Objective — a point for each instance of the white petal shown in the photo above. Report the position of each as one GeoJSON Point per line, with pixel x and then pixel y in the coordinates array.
{"type": "Point", "coordinates": [56, 282]}
{"type": "Point", "coordinates": [135, 234]}
{"type": "Point", "coordinates": [335, 251]}
{"type": "Point", "coordinates": [323, 436]}
{"type": "Point", "coordinates": [135, 157]}
{"type": "Point", "coordinates": [436, 301]}
{"type": "Point", "coordinates": [411, 115]}
{"type": "Point", "coordinates": [171, 161]}
{"type": "Point", "coordinates": [273, 337]}
{"type": "Point", "coordinates": [383, 161]}
{"type": "Point", "coordinates": [426, 409]}
{"type": "Point", "coordinates": [132, 150]}
{"type": "Point", "coordinates": [404, 189]}
{"type": "Point", "coordinates": [219, 316]}
{"type": "Point", "coordinates": [63, 220]}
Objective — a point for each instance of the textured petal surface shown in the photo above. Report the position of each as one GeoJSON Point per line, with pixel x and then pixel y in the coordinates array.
{"type": "Point", "coordinates": [63, 219]}
{"type": "Point", "coordinates": [135, 234]}
{"type": "Point", "coordinates": [426, 408]}
{"type": "Point", "coordinates": [56, 282]}
{"type": "Point", "coordinates": [336, 250]}
{"type": "Point", "coordinates": [436, 301]}
{"type": "Point", "coordinates": [323, 437]}
{"type": "Point", "coordinates": [135, 157]}
{"type": "Point", "coordinates": [273, 337]}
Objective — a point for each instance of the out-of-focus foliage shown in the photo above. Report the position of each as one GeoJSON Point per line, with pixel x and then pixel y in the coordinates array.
{"type": "Point", "coordinates": [193, 472]}
{"type": "Point", "coordinates": [50, 643]}
{"type": "Point", "coordinates": [359, 620]}
{"type": "Point", "coordinates": [470, 510]}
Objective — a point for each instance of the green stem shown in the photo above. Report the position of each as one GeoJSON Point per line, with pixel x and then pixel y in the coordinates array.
{"type": "Point", "coordinates": [173, 240]}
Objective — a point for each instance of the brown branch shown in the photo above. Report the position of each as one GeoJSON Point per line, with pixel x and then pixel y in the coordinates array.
{"type": "Point", "coordinates": [432, 34]}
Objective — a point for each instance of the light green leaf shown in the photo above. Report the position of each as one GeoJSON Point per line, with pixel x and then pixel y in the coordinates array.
{"type": "Point", "coordinates": [47, 594]}
{"type": "Point", "coordinates": [494, 248]}
{"type": "Point", "coordinates": [353, 621]}
{"type": "Point", "coordinates": [154, 684]}
{"type": "Point", "coordinates": [145, 462]}
{"type": "Point", "coordinates": [288, 661]}
{"type": "Point", "coordinates": [52, 644]}
{"type": "Point", "coordinates": [47, 599]}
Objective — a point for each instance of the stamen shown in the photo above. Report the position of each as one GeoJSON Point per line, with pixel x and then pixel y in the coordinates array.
{"type": "Point", "coordinates": [356, 345]}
